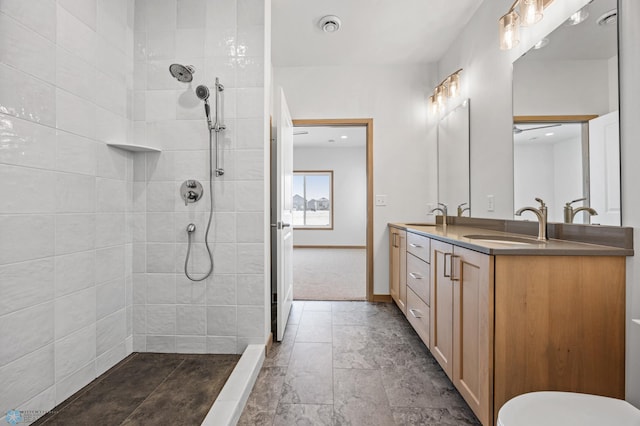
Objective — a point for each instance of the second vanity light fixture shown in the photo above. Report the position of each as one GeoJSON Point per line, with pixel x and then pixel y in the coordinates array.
{"type": "Point", "coordinates": [449, 88]}
{"type": "Point", "coordinates": [521, 13]}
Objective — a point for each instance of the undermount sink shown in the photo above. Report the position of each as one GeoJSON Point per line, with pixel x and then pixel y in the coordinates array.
{"type": "Point", "coordinates": [503, 239]}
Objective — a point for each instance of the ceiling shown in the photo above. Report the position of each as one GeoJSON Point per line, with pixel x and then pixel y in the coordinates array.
{"type": "Point", "coordinates": [319, 136]}
{"type": "Point", "coordinates": [372, 32]}
{"type": "Point", "coordinates": [549, 135]}
{"type": "Point", "coordinates": [585, 41]}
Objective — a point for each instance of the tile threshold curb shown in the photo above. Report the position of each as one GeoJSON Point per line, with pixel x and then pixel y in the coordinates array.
{"type": "Point", "coordinates": [227, 408]}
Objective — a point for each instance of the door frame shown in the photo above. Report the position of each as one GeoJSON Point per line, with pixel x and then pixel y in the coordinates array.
{"type": "Point", "coordinates": [368, 124]}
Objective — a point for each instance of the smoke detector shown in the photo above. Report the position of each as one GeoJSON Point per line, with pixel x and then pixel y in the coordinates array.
{"type": "Point", "coordinates": [329, 23]}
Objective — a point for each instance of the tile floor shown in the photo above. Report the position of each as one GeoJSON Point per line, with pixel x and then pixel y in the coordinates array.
{"type": "Point", "coordinates": [148, 389]}
{"type": "Point", "coordinates": [352, 363]}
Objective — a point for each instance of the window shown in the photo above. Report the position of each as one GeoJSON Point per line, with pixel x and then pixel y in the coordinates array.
{"type": "Point", "coordinates": [313, 199]}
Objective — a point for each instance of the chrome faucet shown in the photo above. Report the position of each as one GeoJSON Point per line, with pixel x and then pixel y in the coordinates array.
{"type": "Point", "coordinates": [570, 212]}
{"type": "Point", "coordinates": [462, 210]}
{"type": "Point", "coordinates": [541, 214]}
{"type": "Point", "coordinates": [442, 209]}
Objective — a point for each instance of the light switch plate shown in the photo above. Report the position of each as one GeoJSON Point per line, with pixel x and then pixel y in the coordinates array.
{"type": "Point", "coordinates": [491, 203]}
{"type": "Point", "coordinates": [381, 200]}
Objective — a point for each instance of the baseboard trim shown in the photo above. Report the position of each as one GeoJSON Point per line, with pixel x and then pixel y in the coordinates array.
{"type": "Point", "coordinates": [268, 344]}
{"type": "Point", "coordinates": [383, 298]}
{"type": "Point", "coordinates": [328, 247]}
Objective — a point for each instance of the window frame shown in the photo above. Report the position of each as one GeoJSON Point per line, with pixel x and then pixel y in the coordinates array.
{"type": "Point", "coordinates": [306, 227]}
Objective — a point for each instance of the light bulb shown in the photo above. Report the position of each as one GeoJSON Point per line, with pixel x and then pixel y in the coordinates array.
{"type": "Point", "coordinates": [509, 30]}
{"type": "Point", "coordinates": [531, 11]}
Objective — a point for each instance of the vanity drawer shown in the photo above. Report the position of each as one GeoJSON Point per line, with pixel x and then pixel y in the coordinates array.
{"type": "Point", "coordinates": [419, 277]}
{"type": "Point", "coordinates": [418, 245]}
{"type": "Point", "coordinates": [418, 315]}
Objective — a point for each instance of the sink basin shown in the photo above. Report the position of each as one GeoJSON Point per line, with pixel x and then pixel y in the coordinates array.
{"type": "Point", "coordinates": [420, 224]}
{"type": "Point", "coordinates": [503, 239]}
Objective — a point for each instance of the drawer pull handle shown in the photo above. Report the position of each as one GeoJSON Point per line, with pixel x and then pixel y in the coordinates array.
{"type": "Point", "coordinates": [415, 275]}
{"type": "Point", "coordinates": [415, 245]}
{"type": "Point", "coordinates": [413, 312]}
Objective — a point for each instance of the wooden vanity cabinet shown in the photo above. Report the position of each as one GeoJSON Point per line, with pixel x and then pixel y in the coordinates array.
{"type": "Point", "coordinates": [398, 267]}
{"type": "Point", "coordinates": [462, 322]}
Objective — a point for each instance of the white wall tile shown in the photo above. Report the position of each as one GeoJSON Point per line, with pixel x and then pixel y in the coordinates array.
{"type": "Point", "coordinates": [35, 101]}
{"type": "Point", "coordinates": [77, 380]}
{"type": "Point", "coordinates": [251, 41]}
{"type": "Point", "coordinates": [161, 45]}
{"type": "Point", "coordinates": [250, 321]}
{"type": "Point", "coordinates": [111, 93]}
{"type": "Point", "coordinates": [41, 403]}
{"type": "Point", "coordinates": [250, 290]}
{"type": "Point", "coordinates": [162, 344]}
{"type": "Point", "coordinates": [75, 114]}
{"type": "Point", "coordinates": [224, 196]}
{"type": "Point", "coordinates": [191, 14]}
{"type": "Point", "coordinates": [250, 227]}
{"type": "Point", "coordinates": [84, 10]}
{"type": "Point", "coordinates": [190, 292]}
{"type": "Point", "coordinates": [75, 75]}
{"type": "Point", "coordinates": [223, 67]}
{"type": "Point", "coordinates": [75, 232]}
{"type": "Point", "coordinates": [109, 263]}
{"type": "Point", "coordinates": [221, 290]}
{"type": "Point", "coordinates": [74, 35]}
{"type": "Point", "coordinates": [26, 143]}
{"type": "Point", "coordinates": [160, 228]}
{"type": "Point", "coordinates": [161, 319]}
{"type": "Point", "coordinates": [111, 60]}
{"type": "Point", "coordinates": [112, 162]}
{"type": "Point", "coordinates": [111, 195]}
{"type": "Point", "coordinates": [110, 127]}
{"type": "Point", "coordinates": [139, 319]}
{"type": "Point", "coordinates": [39, 15]}
{"type": "Point", "coordinates": [111, 22]}
{"type": "Point", "coordinates": [159, 257]}
{"type": "Point", "coordinates": [221, 344]}
{"type": "Point", "coordinates": [75, 154]}
{"type": "Point", "coordinates": [220, 41]}
{"type": "Point", "coordinates": [26, 50]}
{"type": "Point", "coordinates": [157, 76]}
{"type": "Point", "coordinates": [249, 196]}
{"type": "Point", "coordinates": [191, 344]}
{"type": "Point", "coordinates": [110, 332]}
{"type": "Point", "coordinates": [26, 284]}
{"type": "Point", "coordinates": [191, 320]}
{"type": "Point", "coordinates": [190, 43]}
{"type": "Point", "coordinates": [27, 377]}
{"type": "Point", "coordinates": [199, 262]}
{"type": "Point", "coordinates": [160, 105]}
{"type": "Point", "coordinates": [250, 258]}
{"type": "Point", "coordinates": [178, 135]}
{"type": "Point", "coordinates": [75, 311]}
{"type": "Point", "coordinates": [110, 297]}
{"type": "Point", "coordinates": [35, 232]}
{"type": "Point", "coordinates": [199, 219]}
{"type": "Point", "coordinates": [75, 193]}
{"type": "Point", "coordinates": [25, 331]}
{"type": "Point", "coordinates": [251, 167]}
{"type": "Point", "coordinates": [161, 196]}
{"type": "Point", "coordinates": [191, 165]}
{"type": "Point", "coordinates": [221, 321]}
{"type": "Point", "coordinates": [161, 15]}
{"type": "Point", "coordinates": [110, 229]}
{"type": "Point", "coordinates": [250, 12]}
{"type": "Point", "coordinates": [26, 190]}
{"type": "Point", "coordinates": [250, 102]}
{"type": "Point", "coordinates": [74, 272]}
{"type": "Point", "coordinates": [250, 134]}
{"type": "Point", "coordinates": [160, 166]}
{"type": "Point", "coordinates": [250, 71]}
{"type": "Point", "coordinates": [161, 288]}
{"type": "Point", "coordinates": [75, 351]}
{"type": "Point", "coordinates": [111, 358]}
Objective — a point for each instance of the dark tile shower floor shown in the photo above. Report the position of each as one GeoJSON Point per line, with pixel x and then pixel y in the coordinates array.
{"type": "Point", "coordinates": [148, 389]}
{"type": "Point", "coordinates": [352, 363]}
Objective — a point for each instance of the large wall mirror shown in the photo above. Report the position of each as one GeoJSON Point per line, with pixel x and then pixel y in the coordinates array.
{"type": "Point", "coordinates": [453, 160]}
{"type": "Point", "coordinates": [566, 129]}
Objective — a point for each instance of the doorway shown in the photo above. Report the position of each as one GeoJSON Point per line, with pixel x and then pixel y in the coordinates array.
{"type": "Point", "coordinates": [331, 258]}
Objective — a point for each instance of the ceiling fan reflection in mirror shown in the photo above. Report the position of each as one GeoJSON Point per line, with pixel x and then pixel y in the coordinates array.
{"type": "Point", "coordinates": [517, 130]}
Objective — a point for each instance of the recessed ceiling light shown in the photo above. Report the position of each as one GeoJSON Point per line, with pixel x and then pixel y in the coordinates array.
{"type": "Point", "coordinates": [549, 134]}
{"type": "Point", "coordinates": [542, 43]}
{"type": "Point", "coordinates": [578, 17]}
{"type": "Point", "coordinates": [329, 23]}
{"type": "Point", "coordinates": [331, 140]}
{"type": "Point", "coordinates": [344, 137]}
{"type": "Point", "coordinates": [609, 18]}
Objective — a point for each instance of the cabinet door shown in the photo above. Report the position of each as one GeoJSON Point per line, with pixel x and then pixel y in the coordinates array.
{"type": "Point", "coordinates": [441, 337]}
{"type": "Point", "coordinates": [402, 278]}
{"type": "Point", "coordinates": [472, 330]}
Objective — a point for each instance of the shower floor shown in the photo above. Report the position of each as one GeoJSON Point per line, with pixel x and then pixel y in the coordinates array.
{"type": "Point", "coordinates": [148, 389]}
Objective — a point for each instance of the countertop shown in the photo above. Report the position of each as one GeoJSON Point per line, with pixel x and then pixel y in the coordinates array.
{"type": "Point", "coordinates": [456, 234]}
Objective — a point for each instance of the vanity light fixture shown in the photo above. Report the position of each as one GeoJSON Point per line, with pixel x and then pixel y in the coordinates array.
{"type": "Point", "coordinates": [449, 88]}
{"type": "Point", "coordinates": [528, 13]}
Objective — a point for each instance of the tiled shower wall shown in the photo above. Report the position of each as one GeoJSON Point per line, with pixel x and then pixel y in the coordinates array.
{"type": "Point", "coordinates": [224, 313]}
{"type": "Point", "coordinates": [66, 88]}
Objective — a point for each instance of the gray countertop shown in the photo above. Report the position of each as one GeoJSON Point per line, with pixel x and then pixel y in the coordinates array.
{"type": "Point", "coordinates": [456, 234]}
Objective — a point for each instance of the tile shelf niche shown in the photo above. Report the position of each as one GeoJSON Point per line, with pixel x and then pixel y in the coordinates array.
{"type": "Point", "coordinates": [134, 147]}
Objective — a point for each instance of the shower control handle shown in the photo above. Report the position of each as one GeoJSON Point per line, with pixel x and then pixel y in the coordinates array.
{"type": "Point", "coordinates": [191, 191]}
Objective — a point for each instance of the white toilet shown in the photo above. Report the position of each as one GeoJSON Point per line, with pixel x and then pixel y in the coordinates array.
{"type": "Point", "coordinates": [567, 409]}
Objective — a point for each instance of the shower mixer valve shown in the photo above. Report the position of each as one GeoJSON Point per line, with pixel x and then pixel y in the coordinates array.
{"type": "Point", "coordinates": [191, 191]}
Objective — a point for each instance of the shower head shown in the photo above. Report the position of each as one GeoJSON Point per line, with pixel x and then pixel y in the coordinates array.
{"type": "Point", "coordinates": [202, 92]}
{"type": "Point", "coordinates": [183, 73]}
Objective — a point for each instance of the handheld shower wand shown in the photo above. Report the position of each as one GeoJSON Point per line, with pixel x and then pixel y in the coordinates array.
{"type": "Point", "coordinates": [202, 92]}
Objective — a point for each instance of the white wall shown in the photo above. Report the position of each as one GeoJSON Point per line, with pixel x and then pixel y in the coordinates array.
{"type": "Point", "coordinates": [349, 167]}
{"type": "Point", "coordinates": [65, 197]}
{"type": "Point", "coordinates": [228, 310]}
{"type": "Point", "coordinates": [403, 148]}
{"type": "Point", "coordinates": [488, 85]}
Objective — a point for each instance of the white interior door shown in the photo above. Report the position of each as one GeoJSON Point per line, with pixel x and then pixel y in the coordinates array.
{"type": "Point", "coordinates": [284, 214]}
{"type": "Point", "coordinates": [604, 168]}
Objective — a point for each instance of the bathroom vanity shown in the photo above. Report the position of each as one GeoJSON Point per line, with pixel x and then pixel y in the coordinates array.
{"type": "Point", "coordinates": [505, 314]}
